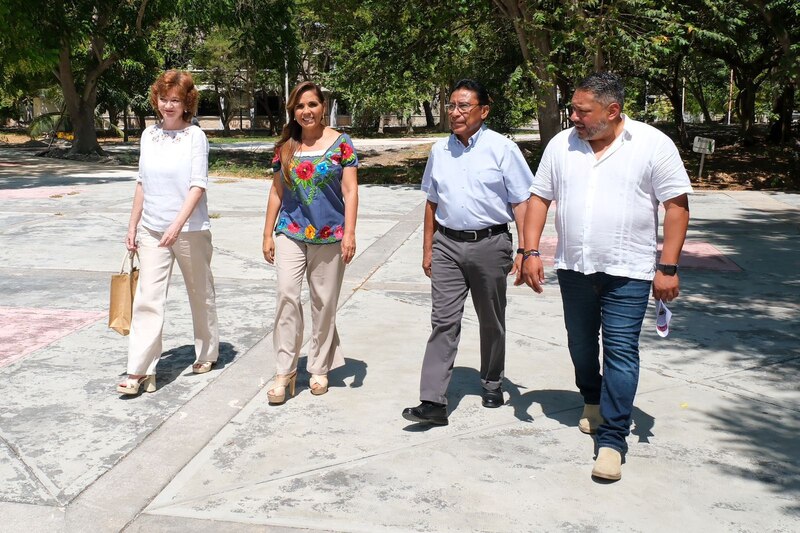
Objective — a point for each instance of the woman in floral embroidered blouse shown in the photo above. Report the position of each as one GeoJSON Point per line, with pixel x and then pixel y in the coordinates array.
{"type": "Point", "coordinates": [312, 210]}
{"type": "Point", "coordinates": [169, 222]}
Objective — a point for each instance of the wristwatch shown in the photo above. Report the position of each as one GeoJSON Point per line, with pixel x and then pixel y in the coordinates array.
{"type": "Point", "coordinates": [669, 270]}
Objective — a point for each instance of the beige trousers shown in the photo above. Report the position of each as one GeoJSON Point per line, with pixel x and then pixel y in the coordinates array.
{"type": "Point", "coordinates": [193, 252]}
{"type": "Point", "coordinates": [323, 267]}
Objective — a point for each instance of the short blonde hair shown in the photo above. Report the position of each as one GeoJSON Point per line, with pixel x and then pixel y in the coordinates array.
{"type": "Point", "coordinates": [183, 82]}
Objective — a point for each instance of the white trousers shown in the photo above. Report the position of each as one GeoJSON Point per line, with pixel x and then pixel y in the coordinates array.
{"type": "Point", "coordinates": [193, 252]}
{"type": "Point", "coordinates": [322, 265]}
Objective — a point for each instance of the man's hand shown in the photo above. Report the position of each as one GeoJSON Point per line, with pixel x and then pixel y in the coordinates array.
{"type": "Point", "coordinates": [427, 260]}
{"type": "Point", "coordinates": [665, 287]}
{"type": "Point", "coordinates": [517, 269]}
{"type": "Point", "coordinates": [533, 273]}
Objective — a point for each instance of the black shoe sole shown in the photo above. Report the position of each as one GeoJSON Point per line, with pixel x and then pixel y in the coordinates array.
{"type": "Point", "coordinates": [492, 405]}
{"type": "Point", "coordinates": [432, 421]}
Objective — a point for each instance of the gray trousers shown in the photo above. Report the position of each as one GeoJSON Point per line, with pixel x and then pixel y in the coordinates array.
{"type": "Point", "coordinates": [480, 268]}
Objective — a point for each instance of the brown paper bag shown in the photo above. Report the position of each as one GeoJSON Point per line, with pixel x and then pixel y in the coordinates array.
{"type": "Point", "coordinates": [123, 287]}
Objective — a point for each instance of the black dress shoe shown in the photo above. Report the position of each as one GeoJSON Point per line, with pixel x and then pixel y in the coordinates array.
{"type": "Point", "coordinates": [427, 413]}
{"type": "Point", "coordinates": [492, 398]}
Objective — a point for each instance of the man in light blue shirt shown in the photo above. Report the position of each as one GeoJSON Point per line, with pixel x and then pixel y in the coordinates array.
{"type": "Point", "coordinates": [477, 182]}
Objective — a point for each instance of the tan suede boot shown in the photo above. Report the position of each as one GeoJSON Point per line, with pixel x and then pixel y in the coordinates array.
{"type": "Point", "coordinates": [608, 464]}
{"type": "Point", "coordinates": [590, 419]}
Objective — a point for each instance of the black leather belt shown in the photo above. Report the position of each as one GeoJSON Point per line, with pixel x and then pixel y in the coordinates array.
{"type": "Point", "coordinates": [469, 235]}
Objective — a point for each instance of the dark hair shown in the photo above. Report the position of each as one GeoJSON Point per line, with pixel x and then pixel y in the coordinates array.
{"type": "Point", "coordinates": [183, 82]}
{"type": "Point", "coordinates": [476, 87]}
{"type": "Point", "coordinates": [606, 87]}
{"type": "Point", "coordinates": [291, 135]}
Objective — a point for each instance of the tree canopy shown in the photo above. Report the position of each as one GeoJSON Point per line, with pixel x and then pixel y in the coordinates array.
{"type": "Point", "coordinates": [381, 56]}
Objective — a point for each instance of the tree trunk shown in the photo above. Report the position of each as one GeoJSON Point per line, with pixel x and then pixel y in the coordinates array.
{"type": "Point", "coordinates": [85, 141]}
{"type": "Point", "coordinates": [444, 116]}
{"type": "Point", "coordinates": [535, 45]}
{"type": "Point", "coordinates": [380, 123]}
{"type": "Point", "coordinates": [125, 124]}
{"type": "Point", "coordinates": [141, 119]}
{"type": "Point", "coordinates": [781, 130]}
{"type": "Point", "coordinates": [80, 105]}
{"type": "Point", "coordinates": [746, 109]}
{"type": "Point", "coordinates": [549, 115]}
{"type": "Point", "coordinates": [409, 124]}
{"type": "Point", "coordinates": [699, 95]}
{"type": "Point", "coordinates": [429, 123]}
{"type": "Point", "coordinates": [677, 116]}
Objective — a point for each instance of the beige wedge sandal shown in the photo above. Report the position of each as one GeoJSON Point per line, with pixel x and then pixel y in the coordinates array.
{"type": "Point", "coordinates": [131, 385]}
{"type": "Point", "coordinates": [277, 394]}
{"type": "Point", "coordinates": [318, 384]}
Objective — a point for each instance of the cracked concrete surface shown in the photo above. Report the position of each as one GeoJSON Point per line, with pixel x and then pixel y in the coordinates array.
{"type": "Point", "coordinates": [713, 446]}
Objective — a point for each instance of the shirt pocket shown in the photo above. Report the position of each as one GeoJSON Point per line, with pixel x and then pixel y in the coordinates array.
{"type": "Point", "coordinates": [489, 183]}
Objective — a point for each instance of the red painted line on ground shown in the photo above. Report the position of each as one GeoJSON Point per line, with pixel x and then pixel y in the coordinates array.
{"type": "Point", "coordinates": [696, 255]}
{"type": "Point", "coordinates": [24, 330]}
{"type": "Point", "coordinates": [34, 193]}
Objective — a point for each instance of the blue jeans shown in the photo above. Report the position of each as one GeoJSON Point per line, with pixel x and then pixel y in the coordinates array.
{"type": "Point", "coordinates": [617, 305]}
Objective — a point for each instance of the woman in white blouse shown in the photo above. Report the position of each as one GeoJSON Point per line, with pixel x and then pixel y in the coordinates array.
{"type": "Point", "coordinates": [169, 221]}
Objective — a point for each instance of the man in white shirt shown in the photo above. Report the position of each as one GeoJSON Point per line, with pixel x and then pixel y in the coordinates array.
{"type": "Point", "coordinates": [608, 175]}
{"type": "Point", "coordinates": [477, 182]}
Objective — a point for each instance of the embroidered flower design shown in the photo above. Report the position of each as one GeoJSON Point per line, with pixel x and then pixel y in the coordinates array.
{"type": "Point", "coordinates": [347, 151]}
{"type": "Point", "coordinates": [338, 232]}
{"type": "Point", "coordinates": [324, 233]}
{"type": "Point", "coordinates": [304, 170]}
{"type": "Point", "coordinates": [294, 227]}
{"type": "Point", "coordinates": [311, 231]}
{"type": "Point", "coordinates": [336, 158]}
{"type": "Point", "coordinates": [283, 223]}
{"type": "Point", "coordinates": [322, 168]}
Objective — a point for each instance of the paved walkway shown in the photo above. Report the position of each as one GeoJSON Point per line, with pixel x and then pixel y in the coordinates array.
{"type": "Point", "coordinates": [714, 446]}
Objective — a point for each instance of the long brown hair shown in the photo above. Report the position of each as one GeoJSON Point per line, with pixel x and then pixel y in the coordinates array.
{"type": "Point", "coordinates": [291, 136]}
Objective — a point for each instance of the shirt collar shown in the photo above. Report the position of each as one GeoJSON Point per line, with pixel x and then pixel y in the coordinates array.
{"type": "Point", "coordinates": [472, 140]}
{"type": "Point", "coordinates": [627, 130]}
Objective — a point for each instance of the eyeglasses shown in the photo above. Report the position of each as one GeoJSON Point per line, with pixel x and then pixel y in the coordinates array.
{"type": "Point", "coordinates": [462, 108]}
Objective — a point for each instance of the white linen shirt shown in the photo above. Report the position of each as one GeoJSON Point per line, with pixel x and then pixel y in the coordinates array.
{"type": "Point", "coordinates": [170, 163]}
{"type": "Point", "coordinates": [607, 209]}
{"type": "Point", "coordinates": [475, 185]}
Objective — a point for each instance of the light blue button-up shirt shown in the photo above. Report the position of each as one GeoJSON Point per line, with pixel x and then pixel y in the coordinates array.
{"type": "Point", "coordinates": [474, 186]}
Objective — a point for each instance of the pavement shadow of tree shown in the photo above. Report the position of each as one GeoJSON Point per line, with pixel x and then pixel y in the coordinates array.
{"type": "Point", "coordinates": [768, 436]}
{"type": "Point", "coordinates": [754, 314]}
{"type": "Point", "coordinates": [739, 331]}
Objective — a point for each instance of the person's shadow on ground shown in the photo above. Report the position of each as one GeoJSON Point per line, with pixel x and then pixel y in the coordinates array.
{"type": "Point", "coordinates": [354, 368]}
{"type": "Point", "coordinates": [563, 406]}
{"type": "Point", "coordinates": [178, 361]}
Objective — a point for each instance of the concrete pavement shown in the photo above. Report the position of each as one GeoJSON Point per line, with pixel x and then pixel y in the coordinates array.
{"type": "Point", "coordinates": [713, 447]}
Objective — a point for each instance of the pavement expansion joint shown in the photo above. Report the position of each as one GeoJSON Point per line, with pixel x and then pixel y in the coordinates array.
{"type": "Point", "coordinates": [354, 460]}
{"type": "Point", "coordinates": [41, 479]}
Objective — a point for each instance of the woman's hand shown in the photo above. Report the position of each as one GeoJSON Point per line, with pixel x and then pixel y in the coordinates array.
{"type": "Point", "coordinates": [268, 247]}
{"type": "Point", "coordinates": [348, 248]}
{"type": "Point", "coordinates": [170, 236]}
{"type": "Point", "coordinates": [130, 240]}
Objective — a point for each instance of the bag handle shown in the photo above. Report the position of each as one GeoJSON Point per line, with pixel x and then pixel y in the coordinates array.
{"type": "Point", "coordinates": [129, 257]}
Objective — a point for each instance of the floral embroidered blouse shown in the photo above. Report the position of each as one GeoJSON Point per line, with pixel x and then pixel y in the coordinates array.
{"type": "Point", "coordinates": [312, 209]}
